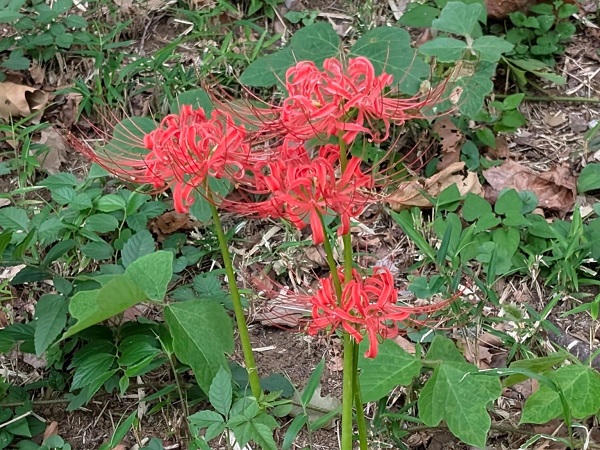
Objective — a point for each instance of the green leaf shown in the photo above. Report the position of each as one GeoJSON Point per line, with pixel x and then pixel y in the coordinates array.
{"type": "Point", "coordinates": [443, 349]}
{"type": "Point", "coordinates": [92, 307]}
{"type": "Point", "coordinates": [12, 218]}
{"type": "Point", "coordinates": [589, 178]}
{"type": "Point", "coordinates": [127, 139]}
{"type": "Point", "coordinates": [507, 243]}
{"type": "Point", "coordinates": [7, 16]}
{"type": "Point", "coordinates": [91, 369]}
{"type": "Point", "coordinates": [537, 365]}
{"type": "Point", "coordinates": [220, 393]}
{"type": "Point", "coordinates": [459, 18]}
{"type": "Point", "coordinates": [490, 48]}
{"type": "Point", "coordinates": [197, 98]}
{"type": "Point", "coordinates": [16, 61]}
{"type": "Point", "coordinates": [98, 250]}
{"type": "Point", "coordinates": [508, 201]}
{"type": "Point", "coordinates": [111, 202]}
{"type": "Point", "coordinates": [445, 49]}
{"type": "Point", "coordinates": [316, 43]}
{"type": "Point", "coordinates": [50, 320]}
{"type": "Point", "coordinates": [420, 16]}
{"type": "Point", "coordinates": [475, 89]}
{"type": "Point", "coordinates": [152, 273]}
{"type": "Point", "coordinates": [257, 432]}
{"type": "Point", "coordinates": [392, 367]}
{"type": "Point", "coordinates": [456, 395]}
{"type": "Point", "coordinates": [475, 207]}
{"type": "Point", "coordinates": [581, 388]}
{"type": "Point", "coordinates": [389, 50]}
{"type": "Point", "coordinates": [202, 335]}
{"type": "Point", "coordinates": [206, 419]}
{"type": "Point", "coordinates": [269, 70]}
{"type": "Point", "coordinates": [140, 244]}
{"type": "Point", "coordinates": [102, 223]}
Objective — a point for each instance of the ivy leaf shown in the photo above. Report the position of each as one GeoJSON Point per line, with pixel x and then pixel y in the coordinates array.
{"type": "Point", "coordinates": [392, 367]}
{"type": "Point", "coordinates": [202, 334]}
{"type": "Point", "coordinates": [444, 49]}
{"type": "Point", "coordinates": [475, 88]}
{"type": "Point", "coordinates": [50, 319]}
{"type": "Point", "coordinates": [455, 394]}
{"type": "Point", "coordinates": [459, 18]}
{"type": "Point", "coordinates": [581, 388]}
{"type": "Point", "coordinates": [490, 48]}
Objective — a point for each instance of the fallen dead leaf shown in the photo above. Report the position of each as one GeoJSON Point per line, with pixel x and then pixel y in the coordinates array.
{"type": "Point", "coordinates": [171, 222]}
{"type": "Point", "coordinates": [37, 72]}
{"type": "Point", "coordinates": [70, 111]}
{"type": "Point", "coordinates": [555, 189]}
{"type": "Point", "coordinates": [555, 120]}
{"type": "Point", "coordinates": [51, 430]}
{"type": "Point", "coordinates": [408, 193]}
{"type": "Point", "coordinates": [51, 159]}
{"type": "Point", "coordinates": [450, 136]}
{"type": "Point", "coordinates": [34, 361]}
{"type": "Point", "coordinates": [501, 151]}
{"type": "Point", "coordinates": [17, 100]}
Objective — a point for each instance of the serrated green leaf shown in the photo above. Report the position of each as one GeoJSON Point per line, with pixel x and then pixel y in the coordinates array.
{"type": "Point", "coordinates": [459, 397]}
{"type": "Point", "coordinates": [140, 244]}
{"type": "Point", "coordinates": [102, 223]}
{"type": "Point", "coordinates": [491, 48]}
{"type": "Point", "coordinates": [419, 16]}
{"type": "Point", "coordinates": [257, 432]}
{"type": "Point", "coordinates": [92, 307]}
{"type": "Point", "coordinates": [220, 393]}
{"type": "Point", "coordinates": [98, 250]}
{"type": "Point", "coordinates": [459, 18]}
{"type": "Point", "coordinates": [581, 388]}
{"type": "Point", "coordinates": [389, 50]}
{"type": "Point", "coordinates": [50, 320]}
{"type": "Point", "coordinates": [202, 335]}
{"type": "Point", "coordinates": [152, 273]}
{"type": "Point", "coordinates": [92, 369]}
{"type": "Point", "coordinates": [444, 49]}
{"type": "Point", "coordinates": [12, 218]}
{"type": "Point", "coordinates": [392, 367]}
{"type": "Point", "coordinates": [205, 419]}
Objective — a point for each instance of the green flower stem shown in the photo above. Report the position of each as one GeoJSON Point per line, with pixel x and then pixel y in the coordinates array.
{"type": "Point", "coordinates": [358, 404]}
{"type": "Point", "coordinates": [348, 374]}
{"type": "Point", "coordinates": [353, 347]}
{"type": "Point", "coordinates": [235, 297]}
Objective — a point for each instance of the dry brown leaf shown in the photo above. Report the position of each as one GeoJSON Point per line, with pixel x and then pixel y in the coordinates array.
{"type": "Point", "coordinates": [37, 72]}
{"type": "Point", "coordinates": [171, 222]}
{"type": "Point", "coordinates": [409, 192]}
{"type": "Point", "coordinates": [51, 159]}
{"type": "Point", "coordinates": [17, 100]}
{"type": "Point", "coordinates": [555, 189]}
{"type": "Point", "coordinates": [405, 344]}
{"type": "Point", "coordinates": [51, 430]}
{"type": "Point", "coordinates": [555, 120]}
{"type": "Point", "coordinates": [450, 136]}
{"type": "Point", "coordinates": [501, 151]}
{"type": "Point", "coordinates": [70, 110]}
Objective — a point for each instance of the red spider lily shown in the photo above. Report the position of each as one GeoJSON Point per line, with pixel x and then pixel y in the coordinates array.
{"type": "Point", "coordinates": [367, 306]}
{"type": "Point", "coordinates": [183, 151]}
{"type": "Point", "coordinates": [343, 98]}
{"type": "Point", "coordinates": [302, 189]}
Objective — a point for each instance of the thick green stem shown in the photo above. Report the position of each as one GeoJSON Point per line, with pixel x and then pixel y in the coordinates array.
{"type": "Point", "coordinates": [358, 404]}
{"type": "Point", "coordinates": [347, 392]}
{"type": "Point", "coordinates": [236, 299]}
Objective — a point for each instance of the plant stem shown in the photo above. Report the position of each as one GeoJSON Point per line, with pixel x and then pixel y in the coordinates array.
{"type": "Point", "coordinates": [358, 404]}
{"type": "Point", "coordinates": [236, 299]}
{"type": "Point", "coordinates": [548, 98]}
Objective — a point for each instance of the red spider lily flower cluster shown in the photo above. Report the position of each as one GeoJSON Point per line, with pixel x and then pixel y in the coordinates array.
{"type": "Point", "coordinates": [303, 189]}
{"type": "Point", "coordinates": [343, 99]}
{"type": "Point", "coordinates": [368, 306]}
